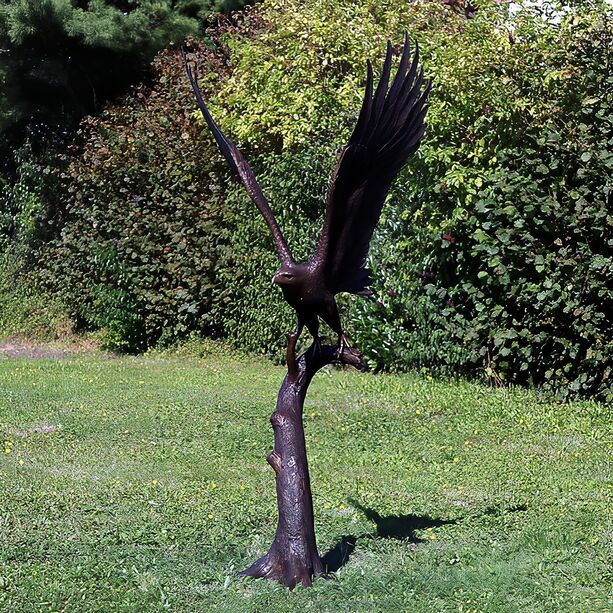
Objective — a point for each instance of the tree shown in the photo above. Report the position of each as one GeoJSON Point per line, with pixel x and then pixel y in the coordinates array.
{"type": "Point", "coordinates": [63, 59]}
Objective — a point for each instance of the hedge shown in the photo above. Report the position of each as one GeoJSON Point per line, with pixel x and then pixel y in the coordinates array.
{"type": "Point", "coordinates": [493, 254]}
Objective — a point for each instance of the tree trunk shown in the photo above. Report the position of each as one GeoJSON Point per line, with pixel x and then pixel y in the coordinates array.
{"type": "Point", "coordinates": [293, 557]}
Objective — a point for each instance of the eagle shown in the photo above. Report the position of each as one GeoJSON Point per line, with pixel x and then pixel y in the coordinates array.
{"type": "Point", "coordinates": [389, 129]}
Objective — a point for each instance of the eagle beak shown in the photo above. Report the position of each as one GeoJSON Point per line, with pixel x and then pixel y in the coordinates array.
{"type": "Point", "coordinates": [274, 279]}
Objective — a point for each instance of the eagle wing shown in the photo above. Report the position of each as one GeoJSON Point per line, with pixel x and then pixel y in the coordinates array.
{"type": "Point", "coordinates": [388, 131]}
{"type": "Point", "coordinates": [240, 166]}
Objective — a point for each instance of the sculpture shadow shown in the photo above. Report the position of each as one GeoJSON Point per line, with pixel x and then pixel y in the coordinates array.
{"type": "Point", "coordinates": [398, 527]}
{"type": "Point", "coordinates": [401, 527]}
{"type": "Point", "coordinates": [339, 555]}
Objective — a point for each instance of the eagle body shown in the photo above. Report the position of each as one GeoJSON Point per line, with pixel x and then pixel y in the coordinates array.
{"type": "Point", "coordinates": [305, 290]}
{"type": "Point", "coordinates": [389, 129]}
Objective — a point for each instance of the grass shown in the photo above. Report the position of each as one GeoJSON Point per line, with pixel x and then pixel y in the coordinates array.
{"type": "Point", "coordinates": [139, 484]}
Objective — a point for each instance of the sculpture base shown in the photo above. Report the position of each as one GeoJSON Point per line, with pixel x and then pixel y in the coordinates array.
{"type": "Point", "coordinates": [293, 557]}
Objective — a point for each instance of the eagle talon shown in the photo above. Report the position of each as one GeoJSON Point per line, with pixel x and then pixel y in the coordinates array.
{"type": "Point", "coordinates": [343, 344]}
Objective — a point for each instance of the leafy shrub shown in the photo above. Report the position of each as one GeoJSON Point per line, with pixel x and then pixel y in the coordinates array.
{"type": "Point", "coordinates": [21, 207]}
{"type": "Point", "coordinates": [26, 309]}
{"type": "Point", "coordinates": [491, 255]}
{"type": "Point", "coordinates": [516, 241]}
{"type": "Point", "coordinates": [145, 229]}
{"type": "Point", "coordinates": [26, 223]}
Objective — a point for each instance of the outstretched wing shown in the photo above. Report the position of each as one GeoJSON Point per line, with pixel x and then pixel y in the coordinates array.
{"type": "Point", "coordinates": [242, 169]}
{"type": "Point", "coordinates": [388, 131]}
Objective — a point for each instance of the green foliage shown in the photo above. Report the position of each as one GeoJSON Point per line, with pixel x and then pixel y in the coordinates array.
{"type": "Point", "coordinates": [146, 229]}
{"type": "Point", "coordinates": [513, 230]}
{"type": "Point", "coordinates": [62, 59]}
{"type": "Point", "coordinates": [26, 220]}
{"type": "Point", "coordinates": [492, 252]}
{"type": "Point", "coordinates": [491, 256]}
{"type": "Point", "coordinates": [26, 309]}
{"type": "Point", "coordinates": [114, 306]}
{"type": "Point", "coordinates": [23, 211]}
{"type": "Point", "coordinates": [144, 487]}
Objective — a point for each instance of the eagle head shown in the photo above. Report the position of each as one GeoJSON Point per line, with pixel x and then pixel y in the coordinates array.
{"type": "Point", "coordinates": [285, 276]}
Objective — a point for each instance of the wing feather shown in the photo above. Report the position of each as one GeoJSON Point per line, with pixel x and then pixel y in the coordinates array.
{"type": "Point", "coordinates": [240, 166]}
{"type": "Point", "coordinates": [388, 131]}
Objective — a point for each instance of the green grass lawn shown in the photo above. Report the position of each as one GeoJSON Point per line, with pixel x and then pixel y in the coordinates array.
{"type": "Point", "coordinates": [140, 484]}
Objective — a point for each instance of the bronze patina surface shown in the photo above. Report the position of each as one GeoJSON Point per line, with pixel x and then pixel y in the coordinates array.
{"type": "Point", "coordinates": [388, 131]}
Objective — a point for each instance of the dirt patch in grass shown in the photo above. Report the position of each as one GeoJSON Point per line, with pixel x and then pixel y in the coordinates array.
{"type": "Point", "coordinates": [41, 428]}
{"type": "Point", "coordinates": [16, 348]}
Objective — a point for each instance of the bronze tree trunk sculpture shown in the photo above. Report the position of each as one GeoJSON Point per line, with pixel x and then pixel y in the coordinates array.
{"type": "Point", "coordinates": [293, 557]}
{"type": "Point", "coordinates": [389, 130]}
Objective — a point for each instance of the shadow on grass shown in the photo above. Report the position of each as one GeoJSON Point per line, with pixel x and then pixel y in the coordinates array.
{"type": "Point", "coordinates": [339, 555]}
{"type": "Point", "coordinates": [399, 527]}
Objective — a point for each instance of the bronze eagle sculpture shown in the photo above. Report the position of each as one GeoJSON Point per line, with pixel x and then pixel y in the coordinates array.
{"type": "Point", "coordinates": [388, 131]}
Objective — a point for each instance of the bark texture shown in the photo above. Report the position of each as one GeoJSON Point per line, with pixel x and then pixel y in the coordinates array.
{"type": "Point", "coordinates": [293, 557]}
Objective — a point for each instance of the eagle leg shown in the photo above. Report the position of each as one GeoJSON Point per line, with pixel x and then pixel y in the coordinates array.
{"type": "Point", "coordinates": [333, 319]}
{"type": "Point", "coordinates": [312, 324]}
{"type": "Point", "coordinates": [292, 339]}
